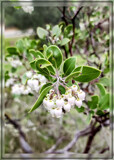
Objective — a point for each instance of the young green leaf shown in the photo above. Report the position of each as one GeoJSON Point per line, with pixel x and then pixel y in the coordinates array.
{"type": "Point", "coordinates": [40, 98]}
{"type": "Point", "coordinates": [54, 55]}
{"type": "Point", "coordinates": [36, 54]}
{"type": "Point", "coordinates": [101, 89]}
{"type": "Point", "coordinates": [56, 31]}
{"type": "Point", "coordinates": [42, 33]}
{"type": "Point", "coordinates": [12, 51]}
{"type": "Point", "coordinates": [20, 45]}
{"type": "Point", "coordinates": [64, 41]}
{"type": "Point", "coordinates": [42, 63]}
{"type": "Point", "coordinates": [51, 69]}
{"type": "Point", "coordinates": [24, 79]}
{"type": "Point", "coordinates": [62, 89]}
{"type": "Point", "coordinates": [33, 64]}
{"type": "Point", "coordinates": [105, 81]}
{"type": "Point", "coordinates": [69, 65]}
{"type": "Point", "coordinates": [94, 102]}
{"type": "Point", "coordinates": [87, 73]}
{"type": "Point", "coordinates": [104, 102]}
{"type": "Point", "coordinates": [81, 109]}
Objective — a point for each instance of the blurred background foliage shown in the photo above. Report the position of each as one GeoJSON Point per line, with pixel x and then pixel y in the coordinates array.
{"type": "Point", "coordinates": [41, 130]}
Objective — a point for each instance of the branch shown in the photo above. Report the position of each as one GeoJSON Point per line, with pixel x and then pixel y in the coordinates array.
{"type": "Point", "coordinates": [25, 146]}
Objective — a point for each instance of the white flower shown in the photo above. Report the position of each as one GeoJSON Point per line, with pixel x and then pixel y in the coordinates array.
{"type": "Point", "coordinates": [43, 79]}
{"type": "Point", "coordinates": [60, 103]}
{"type": "Point", "coordinates": [67, 107]}
{"type": "Point", "coordinates": [29, 74]}
{"type": "Point", "coordinates": [74, 88]}
{"type": "Point", "coordinates": [52, 111]}
{"type": "Point", "coordinates": [27, 90]}
{"type": "Point", "coordinates": [58, 113]}
{"type": "Point", "coordinates": [78, 103]}
{"type": "Point", "coordinates": [50, 104]}
{"type": "Point", "coordinates": [28, 9]}
{"type": "Point", "coordinates": [9, 82]}
{"type": "Point", "coordinates": [81, 95]}
{"type": "Point", "coordinates": [33, 84]}
{"type": "Point", "coordinates": [17, 89]}
{"type": "Point", "coordinates": [16, 63]}
{"type": "Point", "coordinates": [71, 100]}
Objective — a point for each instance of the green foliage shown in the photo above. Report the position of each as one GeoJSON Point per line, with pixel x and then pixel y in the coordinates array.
{"type": "Point", "coordinates": [42, 33]}
{"type": "Point", "coordinates": [87, 73]}
{"type": "Point", "coordinates": [69, 65]}
{"type": "Point", "coordinates": [54, 55]}
{"type": "Point", "coordinates": [40, 98]}
{"type": "Point", "coordinates": [93, 104]}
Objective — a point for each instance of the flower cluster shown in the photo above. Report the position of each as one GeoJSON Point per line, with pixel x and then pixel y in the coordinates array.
{"type": "Point", "coordinates": [14, 63]}
{"type": "Point", "coordinates": [57, 105]}
{"type": "Point", "coordinates": [34, 84]}
{"type": "Point", "coordinates": [28, 9]}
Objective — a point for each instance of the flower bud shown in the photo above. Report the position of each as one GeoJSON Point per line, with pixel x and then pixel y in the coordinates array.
{"type": "Point", "coordinates": [60, 103]}
{"type": "Point", "coordinates": [74, 88]}
{"type": "Point", "coordinates": [81, 95]}
{"type": "Point", "coordinates": [50, 104]}
{"type": "Point", "coordinates": [67, 107]}
{"type": "Point", "coordinates": [58, 113]}
{"type": "Point", "coordinates": [78, 103]}
{"type": "Point", "coordinates": [71, 100]}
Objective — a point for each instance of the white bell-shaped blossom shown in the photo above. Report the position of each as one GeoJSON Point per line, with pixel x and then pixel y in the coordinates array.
{"type": "Point", "coordinates": [33, 84]}
{"type": "Point", "coordinates": [60, 103]}
{"type": "Point", "coordinates": [74, 88]}
{"type": "Point", "coordinates": [71, 100]}
{"type": "Point", "coordinates": [17, 89]}
{"type": "Point", "coordinates": [67, 107]}
{"type": "Point", "coordinates": [81, 95]}
{"type": "Point", "coordinates": [78, 103]}
{"type": "Point", "coordinates": [29, 74]}
{"type": "Point", "coordinates": [9, 82]}
{"type": "Point", "coordinates": [58, 112]}
{"type": "Point", "coordinates": [15, 63]}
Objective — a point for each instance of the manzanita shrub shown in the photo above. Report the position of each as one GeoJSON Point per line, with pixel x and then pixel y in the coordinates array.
{"type": "Point", "coordinates": [59, 95]}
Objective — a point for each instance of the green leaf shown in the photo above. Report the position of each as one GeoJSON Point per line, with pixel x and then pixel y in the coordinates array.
{"type": "Point", "coordinates": [54, 55]}
{"type": "Point", "coordinates": [105, 81]}
{"type": "Point", "coordinates": [100, 112]}
{"type": "Point", "coordinates": [12, 51]}
{"type": "Point", "coordinates": [104, 102]}
{"type": "Point", "coordinates": [29, 56]}
{"type": "Point", "coordinates": [72, 75]}
{"type": "Point", "coordinates": [51, 69]}
{"type": "Point", "coordinates": [87, 73]}
{"type": "Point", "coordinates": [44, 86]}
{"type": "Point", "coordinates": [64, 41]}
{"type": "Point", "coordinates": [68, 31]}
{"type": "Point", "coordinates": [24, 79]}
{"type": "Point", "coordinates": [69, 65]}
{"type": "Point", "coordinates": [94, 102]}
{"type": "Point", "coordinates": [81, 109]}
{"type": "Point", "coordinates": [40, 98]}
{"type": "Point", "coordinates": [62, 89]}
{"type": "Point", "coordinates": [101, 89]}
{"type": "Point", "coordinates": [42, 63]}
{"type": "Point", "coordinates": [42, 33]}
{"type": "Point", "coordinates": [20, 45]}
{"type": "Point", "coordinates": [36, 54]}
{"type": "Point", "coordinates": [33, 64]}
{"type": "Point", "coordinates": [56, 31]}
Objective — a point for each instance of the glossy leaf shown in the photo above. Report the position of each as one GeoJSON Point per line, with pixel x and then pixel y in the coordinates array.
{"type": "Point", "coordinates": [40, 98]}
{"type": "Point", "coordinates": [56, 31]}
{"type": "Point", "coordinates": [36, 54]}
{"type": "Point", "coordinates": [62, 89]}
{"type": "Point", "coordinates": [45, 86]}
{"type": "Point", "coordinates": [104, 102]}
{"type": "Point", "coordinates": [105, 81]}
{"type": "Point", "coordinates": [69, 65]}
{"type": "Point", "coordinates": [42, 33]}
{"type": "Point", "coordinates": [64, 41]}
{"type": "Point", "coordinates": [20, 45]}
{"type": "Point", "coordinates": [51, 69]}
{"type": "Point", "coordinates": [12, 51]}
{"type": "Point", "coordinates": [42, 63]}
{"type": "Point", "coordinates": [72, 76]}
{"type": "Point", "coordinates": [87, 73]}
{"type": "Point", "coordinates": [54, 55]}
{"type": "Point", "coordinates": [81, 109]}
